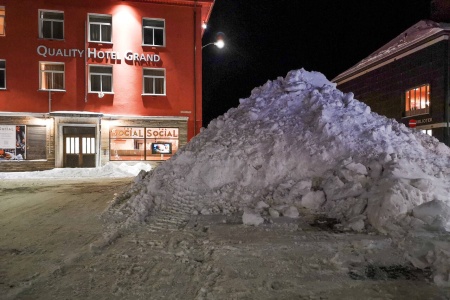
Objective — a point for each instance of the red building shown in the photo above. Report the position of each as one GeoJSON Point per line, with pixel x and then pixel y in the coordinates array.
{"type": "Point", "coordinates": [86, 82]}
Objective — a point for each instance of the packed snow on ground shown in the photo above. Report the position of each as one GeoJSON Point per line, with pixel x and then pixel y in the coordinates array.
{"type": "Point", "coordinates": [111, 169]}
{"type": "Point", "coordinates": [298, 145]}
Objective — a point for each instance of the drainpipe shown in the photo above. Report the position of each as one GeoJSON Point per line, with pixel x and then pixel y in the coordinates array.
{"type": "Point", "coordinates": [85, 62]}
{"type": "Point", "coordinates": [195, 67]}
{"type": "Point", "coordinates": [447, 100]}
{"type": "Point", "coordinates": [49, 101]}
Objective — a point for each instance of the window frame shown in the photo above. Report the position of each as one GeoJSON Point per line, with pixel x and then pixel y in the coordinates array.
{"type": "Point", "coordinates": [41, 24]}
{"type": "Point", "coordinates": [101, 74]}
{"type": "Point", "coordinates": [153, 28]}
{"type": "Point", "coordinates": [3, 69]}
{"type": "Point", "coordinates": [3, 16]}
{"type": "Point", "coordinates": [100, 24]}
{"type": "Point", "coordinates": [414, 111]}
{"type": "Point", "coordinates": [52, 71]}
{"type": "Point", "coordinates": [153, 77]}
{"type": "Point", "coordinates": [427, 131]}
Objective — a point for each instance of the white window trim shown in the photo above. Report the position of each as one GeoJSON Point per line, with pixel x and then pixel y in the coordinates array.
{"type": "Point", "coordinates": [148, 76]}
{"type": "Point", "coordinates": [63, 72]}
{"type": "Point", "coordinates": [4, 21]}
{"type": "Point", "coordinates": [98, 23]}
{"type": "Point", "coordinates": [41, 21]}
{"type": "Point", "coordinates": [5, 73]}
{"type": "Point", "coordinates": [101, 74]}
{"type": "Point", "coordinates": [151, 27]}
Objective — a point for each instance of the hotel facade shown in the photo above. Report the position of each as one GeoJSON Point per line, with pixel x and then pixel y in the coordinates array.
{"type": "Point", "coordinates": [89, 82]}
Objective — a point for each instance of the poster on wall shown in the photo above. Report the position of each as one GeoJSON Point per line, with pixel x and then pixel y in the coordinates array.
{"type": "Point", "coordinates": [12, 142]}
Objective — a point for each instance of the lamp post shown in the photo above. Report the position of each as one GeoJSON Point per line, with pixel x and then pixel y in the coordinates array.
{"type": "Point", "coordinates": [219, 43]}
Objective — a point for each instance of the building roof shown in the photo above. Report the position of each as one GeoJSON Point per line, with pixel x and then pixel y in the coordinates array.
{"type": "Point", "coordinates": [206, 6]}
{"type": "Point", "coordinates": [411, 39]}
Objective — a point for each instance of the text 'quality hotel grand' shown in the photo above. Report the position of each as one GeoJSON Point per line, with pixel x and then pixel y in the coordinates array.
{"type": "Point", "coordinates": [86, 82]}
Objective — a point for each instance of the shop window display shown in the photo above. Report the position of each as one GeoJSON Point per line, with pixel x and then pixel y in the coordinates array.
{"type": "Point", "coordinates": [143, 143]}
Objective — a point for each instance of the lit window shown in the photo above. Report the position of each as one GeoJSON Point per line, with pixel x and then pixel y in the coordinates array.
{"type": "Point", "coordinates": [153, 32]}
{"type": "Point", "coordinates": [154, 81]}
{"type": "Point", "coordinates": [100, 79]}
{"type": "Point", "coordinates": [100, 28]}
{"type": "Point", "coordinates": [417, 100]}
{"type": "Point", "coordinates": [2, 74]}
{"type": "Point", "coordinates": [51, 76]}
{"type": "Point", "coordinates": [51, 24]}
{"type": "Point", "coordinates": [2, 21]}
{"type": "Point", "coordinates": [428, 131]}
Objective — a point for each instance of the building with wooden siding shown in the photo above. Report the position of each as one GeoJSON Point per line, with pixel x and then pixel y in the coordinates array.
{"type": "Point", "coordinates": [408, 79]}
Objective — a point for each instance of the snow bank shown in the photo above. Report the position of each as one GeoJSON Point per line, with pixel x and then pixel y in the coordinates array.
{"type": "Point", "coordinates": [298, 143]}
{"type": "Point", "coordinates": [108, 170]}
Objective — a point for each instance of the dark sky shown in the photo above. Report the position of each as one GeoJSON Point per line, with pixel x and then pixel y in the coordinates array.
{"type": "Point", "coordinates": [268, 38]}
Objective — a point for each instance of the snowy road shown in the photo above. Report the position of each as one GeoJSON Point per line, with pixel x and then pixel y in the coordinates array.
{"type": "Point", "coordinates": [49, 244]}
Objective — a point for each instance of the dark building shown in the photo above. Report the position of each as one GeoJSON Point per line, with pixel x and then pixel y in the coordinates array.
{"type": "Point", "coordinates": [408, 78]}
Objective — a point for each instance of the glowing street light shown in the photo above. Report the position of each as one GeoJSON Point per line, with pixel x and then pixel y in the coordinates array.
{"type": "Point", "coordinates": [219, 43]}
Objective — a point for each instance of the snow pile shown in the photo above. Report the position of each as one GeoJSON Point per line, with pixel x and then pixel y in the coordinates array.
{"type": "Point", "coordinates": [298, 145]}
{"type": "Point", "coordinates": [108, 170]}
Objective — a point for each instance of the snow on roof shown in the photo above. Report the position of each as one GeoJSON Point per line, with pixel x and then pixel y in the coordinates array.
{"type": "Point", "coordinates": [414, 35]}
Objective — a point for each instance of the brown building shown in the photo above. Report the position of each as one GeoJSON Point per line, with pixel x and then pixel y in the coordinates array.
{"type": "Point", "coordinates": [408, 79]}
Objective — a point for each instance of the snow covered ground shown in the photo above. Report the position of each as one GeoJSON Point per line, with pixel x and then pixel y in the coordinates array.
{"type": "Point", "coordinates": [301, 192]}
{"type": "Point", "coordinates": [111, 170]}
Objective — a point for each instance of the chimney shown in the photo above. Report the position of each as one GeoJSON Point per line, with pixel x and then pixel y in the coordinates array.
{"type": "Point", "coordinates": [440, 11]}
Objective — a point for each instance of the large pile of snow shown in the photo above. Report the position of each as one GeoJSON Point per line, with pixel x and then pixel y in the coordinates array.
{"type": "Point", "coordinates": [298, 144]}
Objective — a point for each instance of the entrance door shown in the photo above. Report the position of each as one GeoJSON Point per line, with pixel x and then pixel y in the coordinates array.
{"type": "Point", "coordinates": [79, 147]}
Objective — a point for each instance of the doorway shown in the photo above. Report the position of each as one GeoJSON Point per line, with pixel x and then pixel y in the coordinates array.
{"type": "Point", "coordinates": [79, 147]}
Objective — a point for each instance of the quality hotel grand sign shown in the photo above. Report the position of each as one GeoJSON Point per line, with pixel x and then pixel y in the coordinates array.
{"type": "Point", "coordinates": [97, 54]}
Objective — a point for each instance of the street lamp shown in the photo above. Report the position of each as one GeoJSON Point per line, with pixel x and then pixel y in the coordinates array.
{"type": "Point", "coordinates": [219, 43]}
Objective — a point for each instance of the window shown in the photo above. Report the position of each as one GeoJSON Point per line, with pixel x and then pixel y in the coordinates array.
{"type": "Point", "coordinates": [428, 131]}
{"type": "Point", "coordinates": [2, 74]}
{"type": "Point", "coordinates": [143, 143]}
{"type": "Point", "coordinates": [51, 76]}
{"type": "Point", "coordinates": [100, 79]}
{"type": "Point", "coordinates": [154, 81]}
{"type": "Point", "coordinates": [153, 32]}
{"type": "Point", "coordinates": [73, 145]}
{"type": "Point", "coordinates": [51, 24]}
{"type": "Point", "coordinates": [2, 21]}
{"type": "Point", "coordinates": [100, 28]}
{"type": "Point", "coordinates": [417, 101]}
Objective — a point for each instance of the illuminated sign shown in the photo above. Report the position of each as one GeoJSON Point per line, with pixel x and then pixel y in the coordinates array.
{"type": "Point", "coordinates": [7, 136]}
{"type": "Point", "coordinates": [139, 132]}
{"type": "Point", "coordinates": [94, 54]}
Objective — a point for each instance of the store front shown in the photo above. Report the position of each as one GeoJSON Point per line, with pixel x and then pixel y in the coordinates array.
{"type": "Point", "coordinates": [87, 140]}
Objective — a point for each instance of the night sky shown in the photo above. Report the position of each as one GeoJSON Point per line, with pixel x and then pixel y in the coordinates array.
{"type": "Point", "coordinates": [268, 38]}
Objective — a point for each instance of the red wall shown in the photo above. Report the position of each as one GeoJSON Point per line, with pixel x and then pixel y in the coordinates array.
{"type": "Point", "coordinates": [19, 49]}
